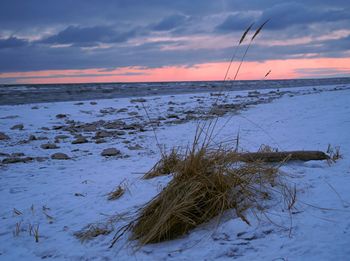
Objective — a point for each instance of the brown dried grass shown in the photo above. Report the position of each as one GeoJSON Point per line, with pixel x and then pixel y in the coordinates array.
{"type": "Point", "coordinates": [206, 183]}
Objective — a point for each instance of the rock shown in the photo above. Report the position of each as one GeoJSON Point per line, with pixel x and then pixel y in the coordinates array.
{"type": "Point", "coordinates": [138, 100]}
{"type": "Point", "coordinates": [61, 137]}
{"type": "Point", "coordinates": [119, 133]}
{"type": "Point", "coordinates": [93, 103]}
{"type": "Point", "coordinates": [79, 103]}
{"type": "Point", "coordinates": [4, 154]}
{"type": "Point", "coordinates": [18, 154]}
{"type": "Point", "coordinates": [135, 147]}
{"type": "Point", "coordinates": [3, 136]}
{"type": "Point", "coordinates": [110, 152]}
{"type": "Point", "coordinates": [35, 107]}
{"type": "Point", "coordinates": [80, 140]}
{"type": "Point", "coordinates": [17, 127]}
{"type": "Point", "coordinates": [114, 124]}
{"type": "Point", "coordinates": [133, 113]}
{"type": "Point", "coordinates": [61, 116]}
{"type": "Point", "coordinates": [49, 146]}
{"type": "Point", "coordinates": [45, 128]}
{"type": "Point", "coordinates": [103, 134]}
{"type": "Point", "coordinates": [89, 127]}
{"type": "Point", "coordinates": [32, 137]}
{"type": "Point", "coordinates": [172, 116]}
{"type": "Point", "coordinates": [41, 159]}
{"type": "Point", "coordinates": [12, 160]}
{"type": "Point", "coordinates": [122, 110]}
{"type": "Point", "coordinates": [99, 141]}
{"type": "Point", "coordinates": [133, 126]}
{"type": "Point", "coordinates": [60, 156]}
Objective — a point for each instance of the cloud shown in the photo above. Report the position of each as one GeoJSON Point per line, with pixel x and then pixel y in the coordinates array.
{"type": "Point", "coordinates": [170, 22]}
{"type": "Point", "coordinates": [292, 13]}
{"type": "Point", "coordinates": [238, 21]}
{"type": "Point", "coordinates": [111, 34]}
{"type": "Point", "coordinates": [87, 36]}
{"type": "Point", "coordinates": [12, 42]}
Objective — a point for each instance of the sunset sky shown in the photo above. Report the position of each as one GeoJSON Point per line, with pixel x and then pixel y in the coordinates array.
{"type": "Point", "coordinates": [170, 40]}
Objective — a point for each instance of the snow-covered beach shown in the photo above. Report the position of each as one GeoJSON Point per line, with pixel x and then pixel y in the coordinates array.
{"type": "Point", "coordinates": [60, 197]}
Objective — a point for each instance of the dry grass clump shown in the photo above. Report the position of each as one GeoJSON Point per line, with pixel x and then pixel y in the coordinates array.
{"type": "Point", "coordinates": [167, 165]}
{"type": "Point", "coordinates": [117, 193]}
{"type": "Point", "coordinates": [92, 231]}
{"type": "Point", "coordinates": [206, 183]}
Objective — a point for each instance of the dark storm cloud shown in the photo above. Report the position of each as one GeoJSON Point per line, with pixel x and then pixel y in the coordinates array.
{"type": "Point", "coordinates": [81, 23]}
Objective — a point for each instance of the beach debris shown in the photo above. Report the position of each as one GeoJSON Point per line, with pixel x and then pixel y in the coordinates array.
{"type": "Point", "coordinates": [3, 136]}
{"type": "Point", "coordinates": [49, 146]}
{"type": "Point", "coordinates": [60, 156]}
{"type": "Point", "coordinates": [17, 127]}
{"type": "Point", "coordinates": [110, 152]}
{"type": "Point", "coordinates": [117, 193]}
{"type": "Point", "coordinates": [282, 156]}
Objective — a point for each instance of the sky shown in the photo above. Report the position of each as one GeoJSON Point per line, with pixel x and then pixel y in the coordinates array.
{"type": "Point", "coordinates": [73, 41]}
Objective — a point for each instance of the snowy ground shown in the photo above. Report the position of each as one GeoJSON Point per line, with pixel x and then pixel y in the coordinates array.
{"type": "Point", "coordinates": [60, 197]}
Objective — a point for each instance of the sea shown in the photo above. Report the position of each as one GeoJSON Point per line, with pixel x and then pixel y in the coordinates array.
{"type": "Point", "coordinates": [14, 94]}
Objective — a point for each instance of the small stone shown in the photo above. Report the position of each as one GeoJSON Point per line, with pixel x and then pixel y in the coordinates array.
{"type": "Point", "coordinates": [18, 154]}
{"type": "Point", "coordinates": [135, 147]}
{"type": "Point", "coordinates": [61, 116]}
{"type": "Point", "coordinates": [138, 100]}
{"type": "Point", "coordinates": [133, 113]}
{"type": "Point", "coordinates": [123, 110]}
{"type": "Point", "coordinates": [49, 146]}
{"type": "Point", "coordinates": [99, 141]}
{"type": "Point", "coordinates": [17, 127]}
{"type": "Point", "coordinates": [110, 152]}
{"type": "Point", "coordinates": [32, 137]}
{"type": "Point", "coordinates": [173, 116]}
{"type": "Point", "coordinates": [12, 160]}
{"type": "Point", "coordinates": [103, 134]}
{"type": "Point", "coordinates": [61, 137]}
{"type": "Point", "coordinates": [80, 140]}
{"type": "Point", "coordinates": [3, 136]}
{"type": "Point", "coordinates": [60, 156]}
{"type": "Point", "coordinates": [89, 128]}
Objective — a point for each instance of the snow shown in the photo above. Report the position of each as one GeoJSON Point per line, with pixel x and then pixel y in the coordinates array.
{"type": "Point", "coordinates": [63, 196]}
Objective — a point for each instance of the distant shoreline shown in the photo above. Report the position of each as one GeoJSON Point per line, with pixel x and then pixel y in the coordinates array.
{"type": "Point", "coordinates": [39, 93]}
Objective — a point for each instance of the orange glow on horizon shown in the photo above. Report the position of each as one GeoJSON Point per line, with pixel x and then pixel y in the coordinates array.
{"type": "Point", "coordinates": [280, 69]}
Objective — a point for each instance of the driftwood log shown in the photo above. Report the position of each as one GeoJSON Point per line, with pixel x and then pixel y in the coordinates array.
{"type": "Point", "coordinates": [282, 156]}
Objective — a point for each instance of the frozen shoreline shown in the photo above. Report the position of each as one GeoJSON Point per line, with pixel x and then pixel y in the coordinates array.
{"type": "Point", "coordinates": [73, 192]}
